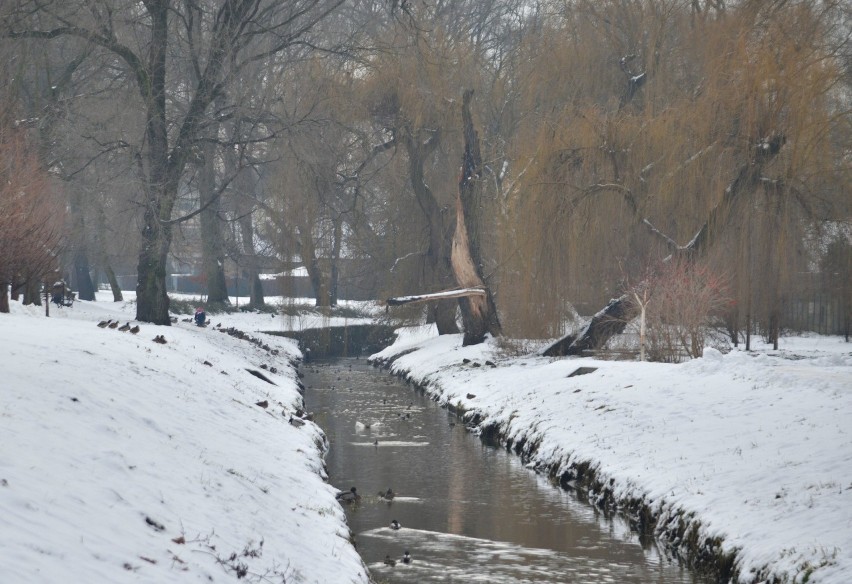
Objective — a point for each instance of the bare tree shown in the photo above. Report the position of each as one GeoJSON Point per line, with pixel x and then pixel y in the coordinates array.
{"type": "Point", "coordinates": [31, 215]}
{"type": "Point", "coordinates": [143, 38]}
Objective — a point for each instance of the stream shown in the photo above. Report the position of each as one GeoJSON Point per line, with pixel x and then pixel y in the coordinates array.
{"type": "Point", "coordinates": [468, 512]}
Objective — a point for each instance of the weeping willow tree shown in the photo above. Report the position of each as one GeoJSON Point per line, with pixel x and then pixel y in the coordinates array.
{"type": "Point", "coordinates": [415, 97]}
{"type": "Point", "coordinates": [714, 130]}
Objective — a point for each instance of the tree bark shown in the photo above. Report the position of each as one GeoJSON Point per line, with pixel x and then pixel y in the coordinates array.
{"type": "Point", "coordinates": [32, 292]}
{"type": "Point", "coordinates": [152, 300]}
{"type": "Point", "coordinates": [438, 270]}
{"type": "Point", "coordinates": [117, 296]}
{"type": "Point", "coordinates": [334, 268]}
{"type": "Point", "coordinates": [479, 313]}
{"type": "Point", "coordinates": [83, 276]}
{"type": "Point", "coordinates": [608, 322]}
{"type": "Point", "coordinates": [212, 247]}
{"type": "Point", "coordinates": [256, 297]}
{"type": "Point", "coordinates": [103, 259]}
{"type": "Point", "coordinates": [82, 270]}
{"type": "Point", "coordinates": [244, 203]}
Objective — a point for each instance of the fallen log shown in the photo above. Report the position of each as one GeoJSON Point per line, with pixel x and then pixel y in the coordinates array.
{"type": "Point", "coordinates": [608, 322]}
{"type": "Point", "coordinates": [443, 295]}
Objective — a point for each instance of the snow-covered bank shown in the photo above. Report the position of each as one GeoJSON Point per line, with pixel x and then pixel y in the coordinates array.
{"type": "Point", "coordinates": [127, 460]}
{"type": "Point", "coordinates": [740, 455]}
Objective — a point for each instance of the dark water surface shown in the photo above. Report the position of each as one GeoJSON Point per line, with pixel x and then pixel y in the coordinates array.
{"type": "Point", "coordinates": [469, 512]}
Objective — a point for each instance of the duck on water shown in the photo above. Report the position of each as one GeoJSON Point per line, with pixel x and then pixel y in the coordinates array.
{"type": "Point", "coordinates": [350, 496]}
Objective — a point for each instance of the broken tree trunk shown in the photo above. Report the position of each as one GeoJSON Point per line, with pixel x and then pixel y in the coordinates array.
{"type": "Point", "coordinates": [607, 323]}
{"type": "Point", "coordinates": [443, 295]}
{"type": "Point", "coordinates": [479, 313]}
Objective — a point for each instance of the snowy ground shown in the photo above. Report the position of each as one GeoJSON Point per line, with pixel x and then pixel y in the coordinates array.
{"type": "Point", "coordinates": [305, 316]}
{"type": "Point", "coordinates": [755, 448]}
{"type": "Point", "coordinates": [125, 460]}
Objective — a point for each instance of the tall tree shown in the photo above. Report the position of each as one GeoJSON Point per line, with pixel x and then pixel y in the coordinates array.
{"type": "Point", "coordinates": [703, 126]}
{"type": "Point", "coordinates": [479, 313]}
{"type": "Point", "coordinates": [142, 38]}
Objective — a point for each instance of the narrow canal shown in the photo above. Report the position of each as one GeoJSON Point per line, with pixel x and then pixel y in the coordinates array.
{"type": "Point", "coordinates": [468, 512]}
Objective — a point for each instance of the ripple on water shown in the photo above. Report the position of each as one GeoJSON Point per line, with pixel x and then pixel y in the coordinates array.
{"type": "Point", "coordinates": [443, 557]}
{"type": "Point", "coordinates": [385, 443]}
{"type": "Point", "coordinates": [469, 512]}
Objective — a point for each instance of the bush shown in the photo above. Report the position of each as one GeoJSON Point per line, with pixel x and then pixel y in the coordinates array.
{"type": "Point", "coordinates": [682, 301]}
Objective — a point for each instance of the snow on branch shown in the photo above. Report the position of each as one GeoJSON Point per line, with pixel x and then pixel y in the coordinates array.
{"type": "Point", "coordinates": [444, 294]}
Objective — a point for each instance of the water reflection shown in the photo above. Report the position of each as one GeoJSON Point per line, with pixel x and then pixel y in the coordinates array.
{"type": "Point", "coordinates": [469, 513]}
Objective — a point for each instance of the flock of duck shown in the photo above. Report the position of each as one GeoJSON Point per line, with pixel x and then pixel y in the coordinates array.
{"type": "Point", "coordinates": [351, 496]}
{"type": "Point", "coordinates": [114, 325]}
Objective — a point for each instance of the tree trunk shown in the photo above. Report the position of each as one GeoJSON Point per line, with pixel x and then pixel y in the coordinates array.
{"type": "Point", "coordinates": [250, 262]}
{"type": "Point", "coordinates": [100, 247]}
{"type": "Point", "coordinates": [32, 292]}
{"type": "Point", "coordinates": [152, 300]}
{"type": "Point", "coordinates": [732, 324]}
{"type": "Point", "coordinates": [445, 313]}
{"type": "Point", "coordinates": [437, 260]}
{"type": "Point", "coordinates": [479, 314]}
{"type": "Point", "coordinates": [4, 297]}
{"type": "Point", "coordinates": [82, 271]}
{"type": "Point", "coordinates": [82, 274]}
{"type": "Point", "coordinates": [604, 325]}
{"type": "Point", "coordinates": [748, 330]}
{"type": "Point", "coordinates": [117, 296]}
{"type": "Point", "coordinates": [334, 269]}
{"type": "Point", "coordinates": [243, 208]}
{"type": "Point", "coordinates": [307, 252]}
{"type": "Point", "coordinates": [212, 247]}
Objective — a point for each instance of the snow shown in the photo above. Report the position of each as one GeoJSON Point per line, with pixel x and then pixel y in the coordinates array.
{"type": "Point", "coordinates": [438, 295]}
{"type": "Point", "coordinates": [124, 460]}
{"type": "Point", "coordinates": [113, 447]}
{"type": "Point", "coordinates": [752, 448]}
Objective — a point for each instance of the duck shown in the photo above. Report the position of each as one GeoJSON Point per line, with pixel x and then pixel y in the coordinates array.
{"type": "Point", "coordinates": [389, 561]}
{"type": "Point", "coordinates": [135, 329]}
{"type": "Point", "coordinates": [387, 495]}
{"type": "Point", "coordinates": [298, 423]}
{"type": "Point", "coordinates": [406, 558]}
{"type": "Point", "coordinates": [125, 327]}
{"type": "Point", "coordinates": [350, 496]}
{"type": "Point", "coordinates": [113, 325]}
{"type": "Point", "coordinates": [104, 323]}
{"type": "Point", "coordinates": [395, 525]}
